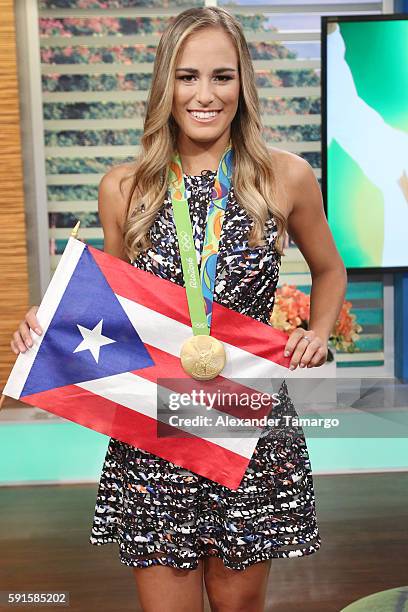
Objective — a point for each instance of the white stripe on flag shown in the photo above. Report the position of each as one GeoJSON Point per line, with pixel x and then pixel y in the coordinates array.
{"type": "Point", "coordinates": [167, 334]}
{"type": "Point", "coordinates": [45, 314]}
{"type": "Point", "coordinates": [140, 395]}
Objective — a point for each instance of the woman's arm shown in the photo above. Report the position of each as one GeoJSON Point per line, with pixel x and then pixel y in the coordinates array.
{"type": "Point", "coordinates": [112, 211]}
{"type": "Point", "coordinates": [307, 225]}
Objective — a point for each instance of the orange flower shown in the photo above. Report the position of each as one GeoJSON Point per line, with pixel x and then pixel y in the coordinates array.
{"type": "Point", "coordinates": [292, 309]}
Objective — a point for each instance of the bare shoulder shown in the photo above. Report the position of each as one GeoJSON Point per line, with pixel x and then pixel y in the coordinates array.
{"type": "Point", "coordinates": [288, 162]}
{"type": "Point", "coordinates": [113, 194]}
{"type": "Point", "coordinates": [292, 173]}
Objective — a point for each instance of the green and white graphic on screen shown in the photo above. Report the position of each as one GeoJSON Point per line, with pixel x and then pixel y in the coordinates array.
{"type": "Point", "coordinates": [367, 141]}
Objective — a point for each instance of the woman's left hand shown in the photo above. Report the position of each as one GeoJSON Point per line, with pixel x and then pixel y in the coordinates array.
{"type": "Point", "coordinates": [311, 352]}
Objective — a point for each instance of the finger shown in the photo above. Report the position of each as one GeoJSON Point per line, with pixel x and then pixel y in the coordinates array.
{"type": "Point", "coordinates": [25, 334]}
{"type": "Point", "coordinates": [292, 342]}
{"type": "Point", "coordinates": [32, 321]}
{"type": "Point", "coordinates": [14, 347]}
{"type": "Point", "coordinates": [293, 339]}
{"type": "Point", "coordinates": [18, 341]}
{"type": "Point", "coordinates": [298, 353]}
{"type": "Point", "coordinates": [309, 353]}
{"type": "Point", "coordinates": [318, 359]}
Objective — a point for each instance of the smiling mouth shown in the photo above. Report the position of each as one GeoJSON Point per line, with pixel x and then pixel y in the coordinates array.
{"type": "Point", "coordinates": [204, 119]}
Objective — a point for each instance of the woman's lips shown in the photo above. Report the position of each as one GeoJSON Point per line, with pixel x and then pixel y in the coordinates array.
{"type": "Point", "coordinates": [204, 120]}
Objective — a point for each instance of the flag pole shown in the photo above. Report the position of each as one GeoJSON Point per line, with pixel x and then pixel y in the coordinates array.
{"type": "Point", "coordinates": [74, 234]}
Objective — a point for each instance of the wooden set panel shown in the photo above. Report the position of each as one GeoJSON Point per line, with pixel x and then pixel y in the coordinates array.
{"type": "Point", "coordinates": [13, 253]}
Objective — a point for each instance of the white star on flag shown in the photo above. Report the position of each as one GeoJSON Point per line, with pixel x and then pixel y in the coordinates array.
{"type": "Point", "coordinates": [93, 340]}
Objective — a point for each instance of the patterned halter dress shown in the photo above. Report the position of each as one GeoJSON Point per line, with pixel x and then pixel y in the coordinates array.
{"type": "Point", "coordinates": [161, 514]}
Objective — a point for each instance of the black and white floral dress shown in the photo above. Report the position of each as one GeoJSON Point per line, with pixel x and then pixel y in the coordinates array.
{"type": "Point", "coordinates": [160, 513]}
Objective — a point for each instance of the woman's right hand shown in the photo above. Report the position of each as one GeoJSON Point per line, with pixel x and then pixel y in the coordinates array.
{"type": "Point", "coordinates": [22, 337]}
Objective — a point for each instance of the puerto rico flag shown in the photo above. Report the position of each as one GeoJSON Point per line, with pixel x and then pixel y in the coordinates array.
{"type": "Point", "coordinates": [111, 334]}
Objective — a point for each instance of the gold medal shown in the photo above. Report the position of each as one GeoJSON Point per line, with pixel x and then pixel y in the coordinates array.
{"type": "Point", "coordinates": [202, 357]}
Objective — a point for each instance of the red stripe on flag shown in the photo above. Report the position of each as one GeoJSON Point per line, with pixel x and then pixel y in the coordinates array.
{"type": "Point", "coordinates": [159, 294]}
{"type": "Point", "coordinates": [169, 299]}
{"type": "Point", "coordinates": [95, 412]}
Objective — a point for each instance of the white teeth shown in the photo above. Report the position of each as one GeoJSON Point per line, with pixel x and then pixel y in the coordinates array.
{"type": "Point", "coordinates": [203, 115]}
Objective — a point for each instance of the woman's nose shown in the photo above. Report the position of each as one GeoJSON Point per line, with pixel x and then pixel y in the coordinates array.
{"type": "Point", "coordinates": [204, 92]}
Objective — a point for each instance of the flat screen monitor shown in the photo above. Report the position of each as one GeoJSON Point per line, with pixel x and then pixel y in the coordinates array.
{"type": "Point", "coordinates": [365, 138]}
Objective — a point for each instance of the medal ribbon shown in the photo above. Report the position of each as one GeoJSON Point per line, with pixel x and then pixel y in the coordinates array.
{"type": "Point", "coordinates": [200, 285]}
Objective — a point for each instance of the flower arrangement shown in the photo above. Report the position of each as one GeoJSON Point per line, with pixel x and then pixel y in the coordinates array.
{"type": "Point", "coordinates": [292, 310]}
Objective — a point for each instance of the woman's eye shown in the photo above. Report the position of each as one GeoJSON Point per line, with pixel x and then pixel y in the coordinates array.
{"type": "Point", "coordinates": [189, 76]}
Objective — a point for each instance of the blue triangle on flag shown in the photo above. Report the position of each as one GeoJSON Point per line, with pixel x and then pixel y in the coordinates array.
{"type": "Point", "coordinates": [108, 344]}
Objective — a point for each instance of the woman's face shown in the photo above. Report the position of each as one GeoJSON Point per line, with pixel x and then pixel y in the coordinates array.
{"type": "Point", "coordinates": [201, 85]}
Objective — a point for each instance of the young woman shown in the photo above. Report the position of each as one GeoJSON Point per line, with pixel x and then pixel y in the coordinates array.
{"type": "Point", "coordinates": [174, 528]}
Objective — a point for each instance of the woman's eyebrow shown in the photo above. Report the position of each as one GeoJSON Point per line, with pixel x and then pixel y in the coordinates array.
{"type": "Point", "coordinates": [215, 71]}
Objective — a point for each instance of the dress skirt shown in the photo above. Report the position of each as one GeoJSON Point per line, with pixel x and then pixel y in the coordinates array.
{"type": "Point", "coordinates": [161, 514]}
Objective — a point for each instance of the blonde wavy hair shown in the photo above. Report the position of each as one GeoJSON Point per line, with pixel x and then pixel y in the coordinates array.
{"type": "Point", "coordinates": [253, 176]}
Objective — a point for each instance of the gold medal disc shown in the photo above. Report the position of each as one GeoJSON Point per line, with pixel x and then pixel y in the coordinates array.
{"type": "Point", "coordinates": [202, 357]}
